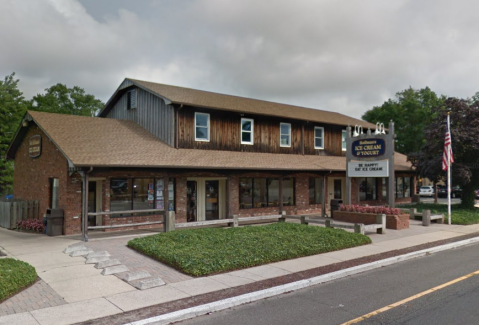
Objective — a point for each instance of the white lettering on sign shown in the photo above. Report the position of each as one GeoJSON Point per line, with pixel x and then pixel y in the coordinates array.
{"type": "Point", "coordinates": [368, 169]}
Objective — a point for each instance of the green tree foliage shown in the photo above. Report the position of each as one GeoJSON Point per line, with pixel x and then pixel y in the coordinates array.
{"type": "Point", "coordinates": [12, 109]}
{"type": "Point", "coordinates": [63, 100]}
{"type": "Point", "coordinates": [465, 146]}
{"type": "Point", "coordinates": [411, 111]}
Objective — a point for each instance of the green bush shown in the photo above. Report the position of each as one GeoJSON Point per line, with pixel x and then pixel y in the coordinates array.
{"type": "Point", "coordinates": [14, 276]}
{"type": "Point", "coordinates": [459, 215]}
{"type": "Point", "coordinates": [205, 251]}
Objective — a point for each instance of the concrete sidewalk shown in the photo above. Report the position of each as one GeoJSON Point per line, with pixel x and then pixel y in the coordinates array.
{"type": "Point", "coordinates": [71, 291]}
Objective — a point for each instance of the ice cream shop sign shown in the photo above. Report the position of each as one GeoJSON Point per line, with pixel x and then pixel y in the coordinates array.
{"type": "Point", "coordinates": [35, 146]}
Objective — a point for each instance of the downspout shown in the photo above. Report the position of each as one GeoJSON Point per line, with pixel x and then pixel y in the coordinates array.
{"type": "Point", "coordinates": [84, 174]}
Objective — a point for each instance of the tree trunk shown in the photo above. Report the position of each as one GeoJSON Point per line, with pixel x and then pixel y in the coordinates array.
{"type": "Point", "coordinates": [468, 196]}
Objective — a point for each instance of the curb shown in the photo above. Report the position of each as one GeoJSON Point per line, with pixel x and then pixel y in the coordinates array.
{"type": "Point", "coordinates": [275, 291]}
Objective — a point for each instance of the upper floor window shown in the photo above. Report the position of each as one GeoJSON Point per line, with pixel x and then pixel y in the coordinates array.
{"type": "Point", "coordinates": [318, 137]}
{"type": "Point", "coordinates": [344, 140]}
{"type": "Point", "coordinates": [247, 129]}
{"type": "Point", "coordinates": [131, 99]}
{"type": "Point", "coordinates": [202, 127]}
{"type": "Point", "coordinates": [285, 134]}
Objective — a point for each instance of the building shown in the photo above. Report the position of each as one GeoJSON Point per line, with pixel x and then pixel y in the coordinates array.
{"type": "Point", "coordinates": [201, 154]}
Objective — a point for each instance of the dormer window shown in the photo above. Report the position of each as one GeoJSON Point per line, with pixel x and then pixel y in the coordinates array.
{"type": "Point", "coordinates": [131, 99]}
{"type": "Point", "coordinates": [247, 129]}
{"type": "Point", "coordinates": [285, 134]}
{"type": "Point", "coordinates": [202, 127]}
{"type": "Point", "coordinates": [318, 137]}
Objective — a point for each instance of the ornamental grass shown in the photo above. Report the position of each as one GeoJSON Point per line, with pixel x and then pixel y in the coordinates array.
{"type": "Point", "coordinates": [206, 251]}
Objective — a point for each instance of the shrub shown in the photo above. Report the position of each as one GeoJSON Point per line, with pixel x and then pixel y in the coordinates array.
{"type": "Point", "coordinates": [368, 209]}
{"type": "Point", "coordinates": [212, 250]}
{"type": "Point", "coordinates": [14, 276]}
{"type": "Point", "coordinates": [35, 225]}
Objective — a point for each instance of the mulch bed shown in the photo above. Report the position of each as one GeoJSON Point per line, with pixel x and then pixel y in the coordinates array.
{"type": "Point", "coordinates": [180, 304]}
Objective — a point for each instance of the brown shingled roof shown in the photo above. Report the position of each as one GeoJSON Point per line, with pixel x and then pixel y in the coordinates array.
{"type": "Point", "coordinates": [91, 141]}
{"type": "Point", "coordinates": [200, 98]}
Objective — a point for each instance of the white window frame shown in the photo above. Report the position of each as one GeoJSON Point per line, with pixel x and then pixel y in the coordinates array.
{"type": "Point", "coordinates": [207, 126]}
{"type": "Point", "coordinates": [343, 140]}
{"type": "Point", "coordinates": [315, 137]}
{"type": "Point", "coordinates": [289, 135]}
{"type": "Point", "coordinates": [246, 131]}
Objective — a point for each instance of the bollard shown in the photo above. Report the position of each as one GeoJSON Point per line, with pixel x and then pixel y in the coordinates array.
{"type": "Point", "coordinates": [426, 218]}
{"type": "Point", "coordinates": [304, 220]}
{"type": "Point", "coordinates": [283, 218]}
{"type": "Point", "coordinates": [170, 221]}
{"type": "Point", "coordinates": [328, 224]}
{"type": "Point", "coordinates": [412, 212]}
{"type": "Point", "coordinates": [381, 219]}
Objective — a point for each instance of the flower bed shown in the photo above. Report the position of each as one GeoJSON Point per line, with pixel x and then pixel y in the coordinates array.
{"type": "Point", "coordinates": [32, 225]}
{"type": "Point", "coordinates": [395, 219]}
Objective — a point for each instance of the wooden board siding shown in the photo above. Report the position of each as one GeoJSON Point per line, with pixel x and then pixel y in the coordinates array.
{"type": "Point", "coordinates": [151, 113]}
{"type": "Point", "coordinates": [225, 134]}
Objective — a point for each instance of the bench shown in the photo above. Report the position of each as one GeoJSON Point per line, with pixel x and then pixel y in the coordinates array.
{"type": "Point", "coordinates": [427, 217]}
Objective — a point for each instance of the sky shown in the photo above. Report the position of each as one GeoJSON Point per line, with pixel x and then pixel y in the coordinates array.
{"type": "Point", "coordinates": [336, 55]}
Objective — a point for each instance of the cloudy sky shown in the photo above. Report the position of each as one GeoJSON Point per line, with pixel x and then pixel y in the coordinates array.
{"type": "Point", "coordinates": [337, 55]}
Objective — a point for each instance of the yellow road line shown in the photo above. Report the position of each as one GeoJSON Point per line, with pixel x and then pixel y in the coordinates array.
{"type": "Point", "coordinates": [396, 304]}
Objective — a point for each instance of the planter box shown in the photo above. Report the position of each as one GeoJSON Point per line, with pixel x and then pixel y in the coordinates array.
{"type": "Point", "coordinates": [392, 222]}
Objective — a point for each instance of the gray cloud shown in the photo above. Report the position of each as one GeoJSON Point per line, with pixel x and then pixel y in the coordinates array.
{"type": "Point", "coordinates": [340, 55]}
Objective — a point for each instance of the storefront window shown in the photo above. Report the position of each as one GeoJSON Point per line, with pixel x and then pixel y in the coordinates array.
{"type": "Point", "coordinates": [140, 194]}
{"type": "Point", "coordinates": [315, 190]}
{"type": "Point", "coordinates": [273, 192]}
{"type": "Point", "coordinates": [407, 187]}
{"type": "Point", "coordinates": [367, 189]}
{"type": "Point", "coordinates": [260, 193]}
{"type": "Point", "coordinates": [246, 193]}
{"type": "Point", "coordinates": [264, 192]}
{"type": "Point", "coordinates": [384, 187]}
{"type": "Point", "coordinates": [399, 187]}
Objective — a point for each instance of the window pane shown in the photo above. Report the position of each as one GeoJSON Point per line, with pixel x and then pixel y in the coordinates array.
{"type": "Point", "coordinates": [120, 194]}
{"type": "Point", "coordinates": [285, 140]}
{"type": "Point", "coordinates": [363, 185]}
{"type": "Point", "coordinates": [202, 133]}
{"type": "Point", "coordinates": [407, 186]}
{"type": "Point", "coordinates": [318, 133]}
{"type": "Point", "coordinates": [245, 137]}
{"type": "Point", "coordinates": [246, 193]}
{"type": "Point", "coordinates": [315, 190]}
{"type": "Point", "coordinates": [399, 188]}
{"type": "Point", "coordinates": [246, 125]}
{"type": "Point", "coordinates": [344, 140]}
{"type": "Point", "coordinates": [288, 191]}
{"type": "Point", "coordinates": [318, 143]}
{"type": "Point", "coordinates": [273, 192]}
{"type": "Point", "coordinates": [202, 120]}
{"type": "Point", "coordinates": [160, 200]}
{"type": "Point", "coordinates": [285, 129]}
{"type": "Point", "coordinates": [260, 193]}
{"type": "Point", "coordinates": [384, 188]}
{"type": "Point", "coordinates": [171, 194]}
{"type": "Point", "coordinates": [143, 194]}
{"type": "Point", "coordinates": [371, 189]}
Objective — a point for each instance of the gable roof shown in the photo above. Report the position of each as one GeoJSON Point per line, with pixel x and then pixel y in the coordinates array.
{"type": "Point", "coordinates": [206, 99]}
{"type": "Point", "coordinates": [103, 142]}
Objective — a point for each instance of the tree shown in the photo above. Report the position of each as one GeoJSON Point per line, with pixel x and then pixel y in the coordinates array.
{"type": "Point", "coordinates": [411, 111]}
{"type": "Point", "coordinates": [61, 99]}
{"type": "Point", "coordinates": [464, 131]}
{"type": "Point", "coordinates": [12, 109]}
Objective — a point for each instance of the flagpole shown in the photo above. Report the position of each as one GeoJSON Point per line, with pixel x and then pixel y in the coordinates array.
{"type": "Point", "coordinates": [449, 173]}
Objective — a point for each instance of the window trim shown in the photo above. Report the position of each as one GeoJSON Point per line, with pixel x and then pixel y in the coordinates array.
{"type": "Point", "coordinates": [315, 137]}
{"type": "Point", "coordinates": [289, 135]}
{"type": "Point", "coordinates": [207, 126]}
{"type": "Point", "coordinates": [246, 131]}
{"type": "Point", "coordinates": [344, 134]}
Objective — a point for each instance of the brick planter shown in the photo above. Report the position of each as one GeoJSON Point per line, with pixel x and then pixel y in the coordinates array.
{"type": "Point", "coordinates": [392, 222]}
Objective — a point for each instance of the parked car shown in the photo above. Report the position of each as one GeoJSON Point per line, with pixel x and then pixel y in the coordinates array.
{"type": "Point", "coordinates": [426, 191]}
{"type": "Point", "coordinates": [456, 191]}
{"type": "Point", "coordinates": [441, 191]}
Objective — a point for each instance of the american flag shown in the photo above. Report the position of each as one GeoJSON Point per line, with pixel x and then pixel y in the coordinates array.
{"type": "Point", "coordinates": [447, 151]}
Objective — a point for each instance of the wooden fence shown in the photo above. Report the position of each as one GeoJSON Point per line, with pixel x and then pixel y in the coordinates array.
{"type": "Point", "coordinates": [13, 211]}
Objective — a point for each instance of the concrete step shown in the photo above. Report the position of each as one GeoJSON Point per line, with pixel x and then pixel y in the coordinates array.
{"type": "Point", "coordinates": [107, 263]}
{"type": "Point", "coordinates": [114, 269]}
{"type": "Point", "coordinates": [74, 248]}
{"type": "Point", "coordinates": [132, 276]}
{"type": "Point", "coordinates": [80, 253]}
{"type": "Point", "coordinates": [94, 260]}
{"type": "Point", "coordinates": [149, 283]}
{"type": "Point", "coordinates": [98, 254]}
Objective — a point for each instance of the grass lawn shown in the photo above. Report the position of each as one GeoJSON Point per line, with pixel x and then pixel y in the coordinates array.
{"type": "Point", "coordinates": [14, 276]}
{"type": "Point", "coordinates": [206, 251]}
{"type": "Point", "coordinates": [459, 216]}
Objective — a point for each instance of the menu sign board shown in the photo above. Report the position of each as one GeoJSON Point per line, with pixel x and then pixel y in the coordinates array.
{"type": "Point", "coordinates": [368, 148]}
{"type": "Point", "coordinates": [35, 146]}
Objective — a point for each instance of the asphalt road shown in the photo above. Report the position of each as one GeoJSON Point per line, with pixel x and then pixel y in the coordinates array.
{"type": "Point", "coordinates": [346, 299]}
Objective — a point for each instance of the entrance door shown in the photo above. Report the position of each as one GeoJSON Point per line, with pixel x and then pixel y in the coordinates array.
{"type": "Point", "coordinates": [212, 200]}
{"type": "Point", "coordinates": [191, 202]}
{"type": "Point", "coordinates": [336, 188]}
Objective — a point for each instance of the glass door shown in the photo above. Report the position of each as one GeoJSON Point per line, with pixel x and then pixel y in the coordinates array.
{"type": "Point", "coordinates": [337, 189]}
{"type": "Point", "coordinates": [191, 202]}
{"type": "Point", "coordinates": [92, 202]}
{"type": "Point", "coordinates": [212, 200]}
